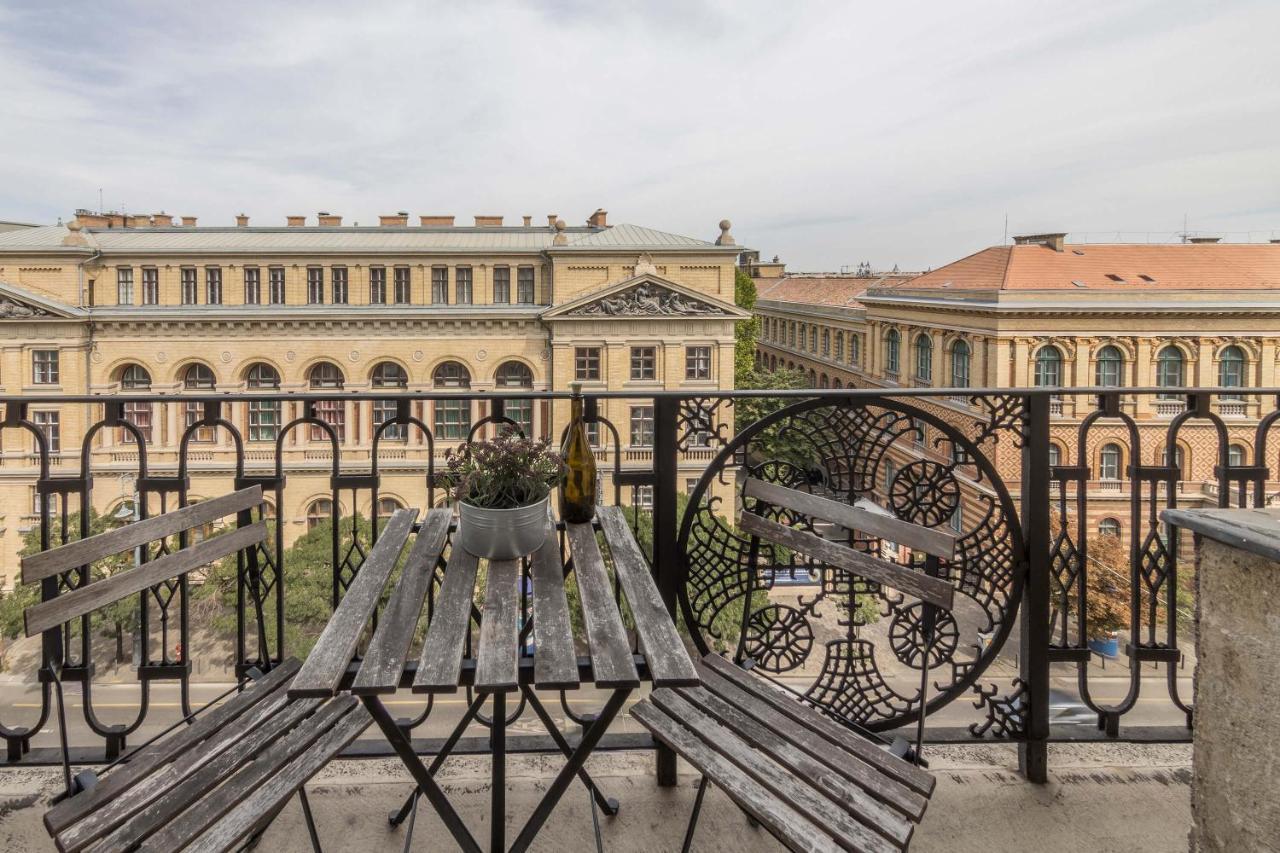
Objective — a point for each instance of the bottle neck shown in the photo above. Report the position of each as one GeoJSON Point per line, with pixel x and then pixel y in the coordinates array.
{"type": "Point", "coordinates": [575, 408]}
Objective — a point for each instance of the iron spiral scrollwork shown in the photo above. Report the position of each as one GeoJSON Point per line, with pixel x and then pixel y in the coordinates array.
{"type": "Point", "coordinates": [852, 646]}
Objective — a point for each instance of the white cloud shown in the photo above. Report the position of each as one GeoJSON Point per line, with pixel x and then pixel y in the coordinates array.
{"type": "Point", "coordinates": [829, 132]}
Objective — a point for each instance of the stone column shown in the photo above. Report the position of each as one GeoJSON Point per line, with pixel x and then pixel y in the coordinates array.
{"type": "Point", "coordinates": [1236, 754]}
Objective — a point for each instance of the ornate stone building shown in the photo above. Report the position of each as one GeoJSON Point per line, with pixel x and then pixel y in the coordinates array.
{"type": "Point", "coordinates": [112, 305]}
{"type": "Point", "coordinates": [1045, 312]}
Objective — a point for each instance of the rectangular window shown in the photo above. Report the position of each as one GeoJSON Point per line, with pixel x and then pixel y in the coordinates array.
{"type": "Point", "coordinates": [453, 419]}
{"type": "Point", "coordinates": [264, 420]}
{"type": "Point", "coordinates": [855, 349]}
{"type": "Point", "coordinates": [189, 292]}
{"type": "Point", "coordinates": [502, 285]}
{"type": "Point", "coordinates": [339, 275]}
{"type": "Point", "coordinates": [47, 423]}
{"type": "Point", "coordinates": [138, 414]}
{"type": "Point", "coordinates": [642, 426]}
{"type": "Point", "coordinates": [402, 286]}
{"type": "Point", "coordinates": [334, 413]}
{"type": "Point", "coordinates": [150, 286]}
{"type": "Point", "coordinates": [44, 364]}
{"type": "Point", "coordinates": [462, 285]}
{"type": "Point", "coordinates": [593, 433]}
{"type": "Point", "coordinates": [377, 285]}
{"type": "Point", "coordinates": [194, 413]}
{"type": "Point", "coordinates": [315, 285]}
{"type": "Point", "coordinates": [383, 411]}
{"type": "Point", "coordinates": [690, 485]}
{"type": "Point", "coordinates": [643, 363]}
{"type": "Point", "coordinates": [213, 285]}
{"type": "Point", "coordinates": [124, 286]}
{"type": "Point", "coordinates": [520, 410]}
{"type": "Point", "coordinates": [524, 285]}
{"type": "Point", "coordinates": [252, 286]}
{"type": "Point", "coordinates": [275, 284]}
{"type": "Point", "coordinates": [586, 364]}
{"type": "Point", "coordinates": [440, 285]}
{"type": "Point", "coordinates": [697, 362]}
{"type": "Point", "coordinates": [642, 497]}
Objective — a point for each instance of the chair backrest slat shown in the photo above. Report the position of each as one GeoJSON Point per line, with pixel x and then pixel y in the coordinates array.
{"type": "Point", "coordinates": [85, 551]}
{"type": "Point", "coordinates": [928, 589]}
{"type": "Point", "coordinates": [939, 543]}
{"type": "Point", "coordinates": [49, 614]}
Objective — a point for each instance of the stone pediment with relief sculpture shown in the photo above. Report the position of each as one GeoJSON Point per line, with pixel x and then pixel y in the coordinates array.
{"type": "Point", "coordinates": [12, 309]}
{"type": "Point", "coordinates": [17, 303]}
{"type": "Point", "coordinates": [644, 300]}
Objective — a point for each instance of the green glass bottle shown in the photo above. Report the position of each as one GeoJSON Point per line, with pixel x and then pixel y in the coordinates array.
{"type": "Point", "coordinates": [578, 485]}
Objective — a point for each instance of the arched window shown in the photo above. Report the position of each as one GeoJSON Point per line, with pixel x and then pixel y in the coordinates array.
{"type": "Point", "coordinates": [1055, 454]}
{"type": "Point", "coordinates": [813, 339]}
{"type": "Point", "coordinates": [855, 348]}
{"type": "Point", "coordinates": [823, 381]}
{"type": "Point", "coordinates": [197, 377]}
{"type": "Point", "coordinates": [1231, 370]}
{"type": "Point", "coordinates": [136, 378]}
{"type": "Point", "coordinates": [960, 365]}
{"type": "Point", "coordinates": [320, 511]}
{"type": "Point", "coordinates": [1236, 455]}
{"type": "Point", "coordinates": [813, 378]}
{"type": "Point", "coordinates": [1109, 527]}
{"type": "Point", "coordinates": [836, 383]}
{"type": "Point", "coordinates": [1110, 373]}
{"type": "Point", "coordinates": [1169, 370]}
{"type": "Point", "coordinates": [453, 417]}
{"type": "Point", "coordinates": [388, 374]}
{"type": "Point", "coordinates": [1048, 367]}
{"type": "Point", "coordinates": [838, 355]}
{"type": "Point", "coordinates": [826, 343]}
{"type": "Point", "coordinates": [387, 507]}
{"type": "Point", "coordinates": [514, 374]}
{"type": "Point", "coordinates": [451, 374]}
{"type": "Point", "coordinates": [264, 415]}
{"type": "Point", "coordinates": [327, 376]}
{"type": "Point", "coordinates": [892, 345]}
{"type": "Point", "coordinates": [1178, 459]}
{"type": "Point", "coordinates": [1109, 462]}
{"type": "Point", "coordinates": [924, 358]}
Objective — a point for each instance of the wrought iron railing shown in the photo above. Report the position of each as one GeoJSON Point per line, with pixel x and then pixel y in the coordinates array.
{"type": "Point", "coordinates": [1027, 497]}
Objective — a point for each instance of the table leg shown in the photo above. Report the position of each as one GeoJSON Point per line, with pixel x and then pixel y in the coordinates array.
{"type": "Point", "coordinates": [590, 738]}
{"type": "Point", "coordinates": [498, 747]}
{"type": "Point", "coordinates": [419, 772]}
{"type": "Point", "coordinates": [607, 804]}
{"type": "Point", "coordinates": [397, 817]}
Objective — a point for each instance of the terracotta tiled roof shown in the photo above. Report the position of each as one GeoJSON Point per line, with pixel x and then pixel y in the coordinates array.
{"type": "Point", "coordinates": [1175, 266]}
{"type": "Point", "coordinates": [841, 290]}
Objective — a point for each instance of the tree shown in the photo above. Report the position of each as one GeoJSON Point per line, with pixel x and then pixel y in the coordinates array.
{"type": "Point", "coordinates": [768, 444]}
{"type": "Point", "coordinates": [745, 332]}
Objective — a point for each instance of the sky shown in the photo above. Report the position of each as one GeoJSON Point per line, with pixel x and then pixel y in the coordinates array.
{"type": "Point", "coordinates": [904, 133]}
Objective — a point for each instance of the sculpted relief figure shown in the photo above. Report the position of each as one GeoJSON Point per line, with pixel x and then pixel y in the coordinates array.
{"type": "Point", "coordinates": [11, 309]}
{"type": "Point", "coordinates": [646, 300]}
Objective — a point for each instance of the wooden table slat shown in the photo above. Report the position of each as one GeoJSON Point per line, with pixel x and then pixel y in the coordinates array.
{"type": "Point", "coordinates": [555, 660]}
{"type": "Point", "coordinates": [440, 663]}
{"type": "Point", "coordinates": [498, 663]}
{"type": "Point", "coordinates": [669, 661]}
{"type": "Point", "coordinates": [384, 660]}
{"type": "Point", "coordinates": [611, 661]}
{"type": "Point", "coordinates": [327, 663]}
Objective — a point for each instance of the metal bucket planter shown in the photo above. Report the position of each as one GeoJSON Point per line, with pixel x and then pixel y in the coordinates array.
{"type": "Point", "coordinates": [502, 534]}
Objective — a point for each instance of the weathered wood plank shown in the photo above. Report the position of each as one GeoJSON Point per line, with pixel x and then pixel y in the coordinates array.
{"type": "Point", "coordinates": [440, 664]}
{"type": "Point", "coordinates": [823, 771]}
{"type": "Point", "coordinates": [327, 663]}
{"type": "Point", "coordinates": [143, 762]}
{"type": "Point", "coordinates": [611, 662]}
{"type": "Point", "coordinates": [793, 829]}
{"type": "Point", "coordinates": [757, 763]}
{"type": "Point", "coordinates": [259, 806]}
{"type": "Point", "coordinates": [908, 774]}
{"type": "Point", "coordinates": [50, 614]}
{"type": "Point", "coordinates": [385, 658]}
{"type": "Point", "coordinates": [498, 663]}
{"type": "Point", "coordinates": [177, 794]}
{"type": "Point", "coordinates": [940, 543]}
{"type": "Point", "coordinates": [85, 551]}
{"type": "Point", "coordinates": [555, 661]}
{"type": "Point", "coordinates": [669, 662]}
{"type": "Point", "coordinates": [870, 777]}
{"type": "Point", "coordinates": [930, 589]}
{"type": "Point", "coordinates": [235, 793]}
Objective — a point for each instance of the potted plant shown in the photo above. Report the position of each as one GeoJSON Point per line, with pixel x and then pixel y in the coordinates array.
{"type": "Point", "coordinates": [502, 488]}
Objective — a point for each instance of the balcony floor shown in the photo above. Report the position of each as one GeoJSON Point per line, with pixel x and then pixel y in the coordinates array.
{"type": "Point", "coordinates": [1100, 797]}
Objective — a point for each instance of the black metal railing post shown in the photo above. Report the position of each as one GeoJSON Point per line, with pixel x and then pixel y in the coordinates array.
{"type": "Point", "coordinates": [1034, 652]}
{"type": "Point", "coordinates": [666, 413]}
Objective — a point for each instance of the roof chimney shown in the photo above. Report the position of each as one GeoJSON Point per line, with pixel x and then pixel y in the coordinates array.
{"type": "Point", "coordinates": [140, 221]}
{"type": "Point", "coordinates": [436, 221]}
{"type": "Point", "coordinates": [488, 221]}
{"type": "Point", "coordinates": [1204, 239]}
{"type": "Point", "coordinates": [400, 220]}
{"type": "Point", "coordinates": [1050, 241]}
{"type": "Point", "coordinates": [551, 220]}
{"type": "Point", "coordinates": [329, 220]}
{"type": "Point", "coordinates": [528, 220]}
{"type": "Point", "coordinates": [162, 220]}
{"type": "Point", "coordinates": [242, 220]}
{"type": "Point", "coordinates": [295, 221]}
{"type": "Point", "coordinates": [189, 221]}
{"type": "Point", "coordinates": [597, 219]}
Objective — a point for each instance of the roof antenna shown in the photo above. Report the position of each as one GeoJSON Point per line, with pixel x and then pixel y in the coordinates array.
{"type": "Point", "coordinates": [1005, 238]}
{"type": "Point", "coordinates": [99, 199]}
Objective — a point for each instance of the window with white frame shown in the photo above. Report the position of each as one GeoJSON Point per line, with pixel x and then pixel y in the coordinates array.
{"type": "Point", "coordinates": [49, 424]}
{"type": "Point", "coordinates": [524, 285]}
{"type": "Point", "coordinates": [642, 426]}
{"type": "Point", "coordinates": [44, 367]}
{"type": "Point", "coordinates": [462, 285]}
{"type": "Point", "coordinates": [402, 286]}
{"type": "Point", "coordinates": [150, 286]}
{"type": "Point", "coordinates": [644, 362]}
{"type": "Point", "coordinates": [697, 362]}
{"type": "Point", "coordinates": [501, 285]}
{"type": "Point", "coordinates": [388, 374]}
{"type": "Point", "coordinates": [327, 376]}
{"type": "Point", "coordinates": [377, 285]}
{"type": "Point", "coordinates": [315, 285]}
{"type": "Point", "coordinates": [586, 364]}
{"type": "Point", "coordinates": [252, 286]}
{"type": "Point", "coordinates": [124, 285]}
{"type": "Point", "coordinates": [339, 275]}
{"type": "Point", "coordinates": [275, 285]}
{"type": "Point", "coordinates": [213, 285]}
{"type": "Point", "coordinates": [440, 285]}
{"type": "Point", "coordinates": [190, 294]}
{"type": "Point", "coordinates": [264, 415]}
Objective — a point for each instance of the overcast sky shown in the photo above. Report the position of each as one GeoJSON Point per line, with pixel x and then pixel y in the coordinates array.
{"type": "Point", "coordinates": [830, 133]}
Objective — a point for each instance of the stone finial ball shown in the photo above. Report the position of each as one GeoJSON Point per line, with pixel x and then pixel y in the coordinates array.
{"type": "Point", "coordinates": [725, 225]}
{"type": "Point", "coordinates": [559, 224]}
{"type": "Point", "coordinates": [73, 226]}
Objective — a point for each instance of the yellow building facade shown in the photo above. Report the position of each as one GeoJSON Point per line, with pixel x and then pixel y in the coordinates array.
{"type": "Point", "coordinates": [119, 307]}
